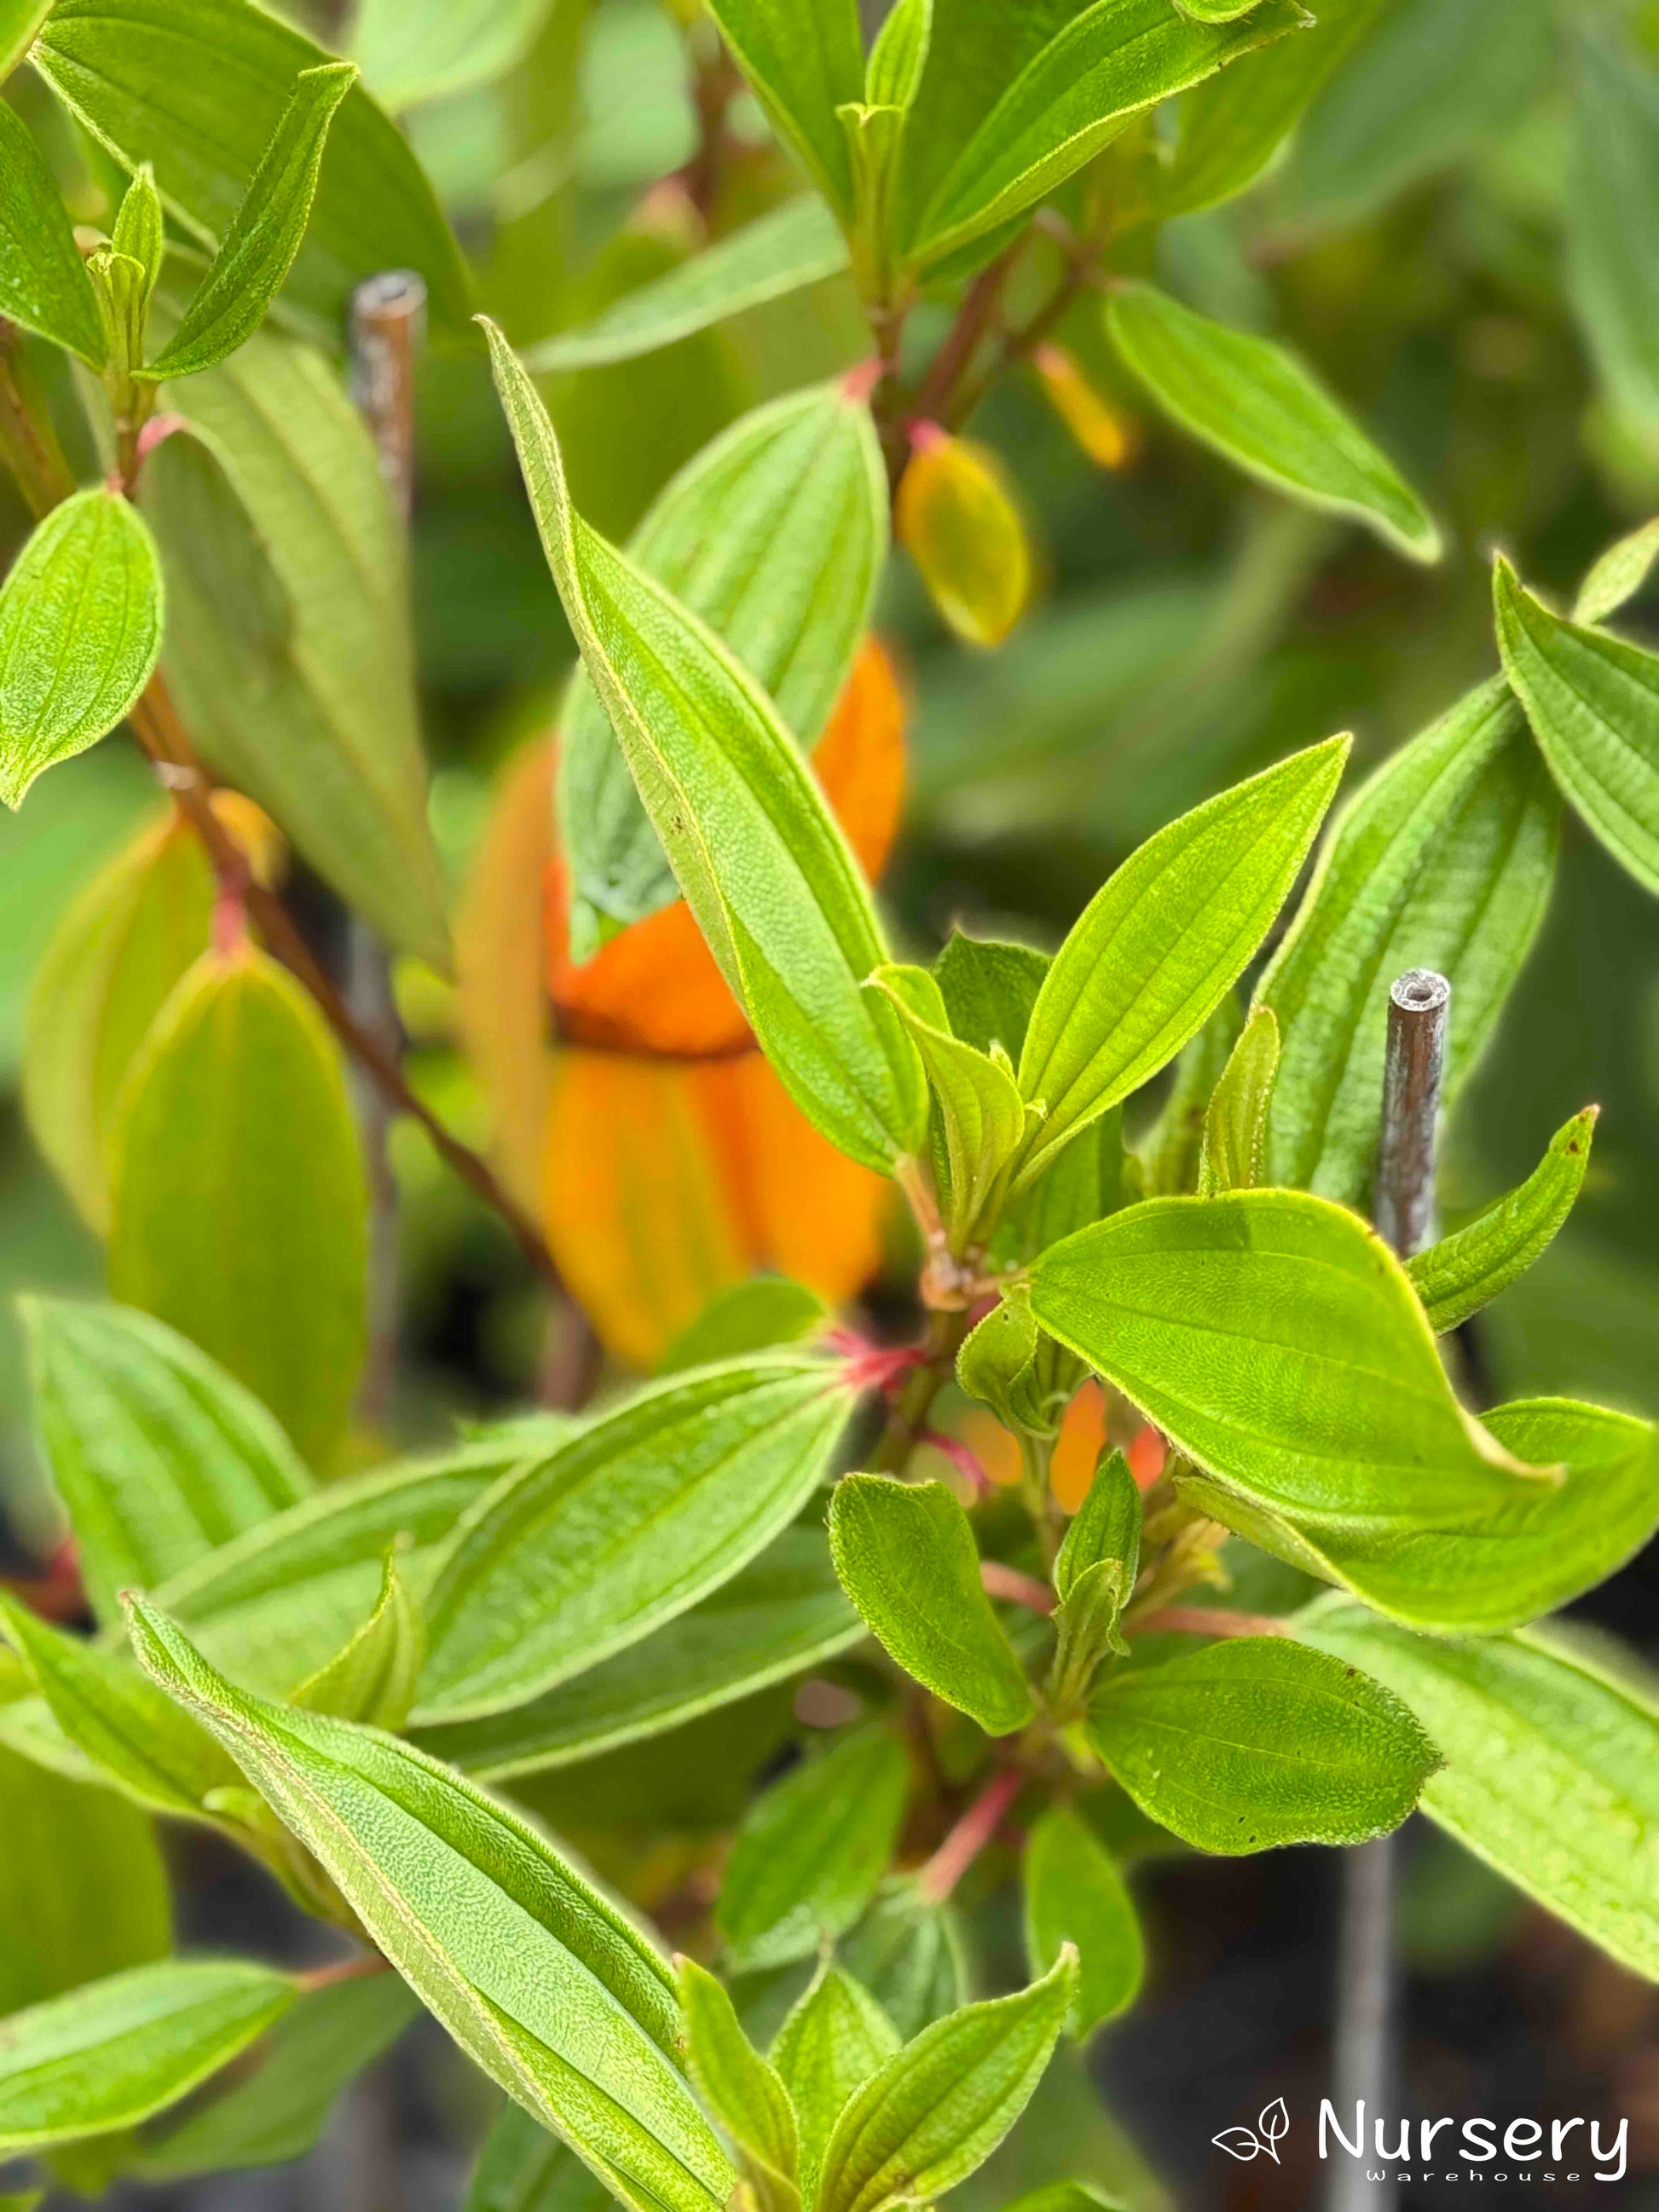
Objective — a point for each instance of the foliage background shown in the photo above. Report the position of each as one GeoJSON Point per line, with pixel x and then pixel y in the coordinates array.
{"type": "Point", "coordinates": [1418, 245]}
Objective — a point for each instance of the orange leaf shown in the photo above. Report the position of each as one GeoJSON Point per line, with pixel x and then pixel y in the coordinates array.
{"type": "Point", "coordinates": [1077, 1447]}
{"type": "Point", "coordinates": [634, 1202]}
{"type": "Point", "coordinates": [860, 759]}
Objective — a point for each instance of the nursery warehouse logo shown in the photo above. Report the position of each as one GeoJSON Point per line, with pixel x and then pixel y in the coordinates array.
{"type": "Point", "coordinates": [1480, 2150]}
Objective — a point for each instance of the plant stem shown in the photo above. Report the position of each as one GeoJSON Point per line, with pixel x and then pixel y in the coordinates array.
{"type": "Point", "coordinates": [1209, 1620]}
{"type": "Point", "coordinates": [1017, 1589]}
{"type": "Point", "coordinates": [907, 1416]}
{"type": "Point", "coordinates": [971, 1834]}
{"type": "Point", "coordinates": [28, 440]}
{"type": "Point", "coordinates": [973, 320]}
{"type": "Point", "coordinates": [357, 1969]}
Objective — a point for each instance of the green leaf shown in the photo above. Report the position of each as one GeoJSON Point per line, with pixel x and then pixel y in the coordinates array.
{"type": "Point", "coordinates": [804, 58]}
{"type": "Point", "coordinates": [197, 88]}
{"type": "Point", "coordinates": [939, 2107]}
{"type": "Point", "coordinates": [109, 2055]}
{"type": "Point", "coordinates": [549, 1988]}
{"type": "Point", "coordinates": [1466, 1270]}
{"type": "Point", "coordinates": [1163, 942]}
{"type": "Point", "coordinates": [1105, 1526]}
{"type": "Point", "coordinates": [158, 1455]}
{"type": "Point", "coordinates": [1232, 125]}
{"type": "Point", "coordinates": [782, 1614]}
{"type": "Point", "coordinates": [997, 1364]}
{"type": "Point", "coordinates": [140, 232]}
{"type": "Point", "coordinates": [522, 2168]}
{"type": "Point", "coordinates": [80, 630]}
{"type": "Point", "coordinates": [1593, 702]}
{"type": "Point", "coordinates": [67, 1843]}
{"type": "Point", "coordinates": [1065, 2197]}
{"type": "Point", "coordinates": [907, 1558]}
{"type": "Point", "coordinates": [981, 1114]}
{"type": "Point", "coordinates": [834, 2039]}
{"type": "Point", "coordinates": [1279, 1343]}
{"type": "Point", "coordinates": [1617, 574]}
{"type": "Point", "coordinates": [1443, 860]}
{"type": "Point", "coordinates": [275, 2113]}
{"type": "Point", "coordinates": [1172, 1153]}
{"type": "Point", "coordinates": [106, 1709]}
{"type": "Point", "coordinates": [1550, 1544]}
{"type": "Point", "coordinates": [1613, 230]}
{"type": "Point", "coordinates": [252, 264]}
{"type": "Point", "coordinates": [1551, 1767]}
{"type": "Point", "coordinates": [1253, 1742]}
{"type": "Point", "coordinates": [1233, 1152]}
{"type": "Point", "coordinates": [741, 2090]}
{"type": "Point", "coordinates": [1216, 11]}
{"type": "Point", "coordinates": [372, 1677]}
{"type": "Point", "coordinates": [236, 1182]}
{"type": "Point", "coordinates": [1075, 1894]}
{"type": "Point", "coordinates": [273, 1606]}
{"type": "Point", "coordinates": [1039, 100]}
{"type": "Point", "coordinates": [782, 251]}
{"type": "Point", "coordinates": [1259, 407]}
{"type": "Point", "coordinates": [989, 990]}
{"type": "Point", "coordinates": [19, 20]}
{"type": "Point", "coordinates": [110, 963]}
{"type": "Point", "coordinates": [411, 51]}
{"type": "Point", "coordinates": [767, 872]}
{"type": "Point", "coordinates": [775, 536]}
{"type": "Point", "coordinates": [587, 1550]}
{"type": "Point", "coordinates": [288, 644]}
{"type": "Point", "coordinates": [751, 1316]}
{"type": "Point", "coordinates": [44, 283]}
{"type": "Point", "coordinates": [909, 1955]}
{"type": "Point", "coordinates": [892, 75]}
{"type": "Point", "coordinates": [812, 1849]}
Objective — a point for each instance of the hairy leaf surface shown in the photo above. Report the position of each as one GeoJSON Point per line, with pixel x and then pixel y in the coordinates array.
{"type": "Point", "coordinates": [1466, 1270]}
{"type": "Point", "coordinates": [44, 283]}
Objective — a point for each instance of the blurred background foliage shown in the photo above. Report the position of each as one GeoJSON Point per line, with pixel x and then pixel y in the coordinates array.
{"type": "Point", "coordinates": [1430, 242]}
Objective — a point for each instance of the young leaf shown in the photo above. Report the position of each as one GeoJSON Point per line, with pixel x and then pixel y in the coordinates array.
{"type": "Point", "coordinates": [1550, 1766]}
{"type": "Point", "coordinates": [237, 1203]}
{"type": "Point", "coordinates": [893, 72]}
{"type": "Point", "coordinates": [1232, 125]}
{"type": "Point", "coordinates": [80, 631]}
{"type": "Point", "coordinates": [812, 1849]}
{"type": "Point", "coordinates": [764, 866]}
{"type": "Point", "coordinates": [981, 1111]}
{"type": "Point", "coordinates": [1164, 941]}
{"type": "Point", "coordinates": [1468, 1269]}
{"type": "Point", "coordinates": [1259, 406]}
{"type": "Point", "coordinates": [372, 1677]}
{"type": "Point", "coordinates": [997, 1364]}
{"type": "Point", "coordinates": [834, 2039]}
{"type": "Point", "coordinates": [522, 2168]}
{"type": "Point", "coordinates": [1278, 1342]}
{"type": "Point", "coordinates": [1234, 1152]}
{"type": "Point", "coordinates": [259, 249]}
{"type": "Point", "coordinates": [65, 1844]}
{"type": "Point", "coordinates": [288, 644]}
{"type": "Point", "coordinates": [1083, 76]}
{"type": "Point", "coordinates": [1550, 1544]}
{"type": "Point", "coordinates": [44, 283]}
{"type": "Point", "coordinates": [1592, 701]}
{"type": "Point", "coordinates": [140, 1742]}
{"type": "Point", "coordinates": [274, 1605]}
{"type": "Point", "coordinates": [1075, 1894]}
{"type": "Point", "coordinates": [1255, 1742]}
{"type": "Point", "coordinates": [587, 1549]}
{"type": "Point", "coordinates": [197, 88]}
{"type": "Point", "coordinates": [140, 232]}
{"type": "Point", "coordinates": [1441, 860]}
{"type": "Point", "coordinates": [784, 1613]}
{"type": "Point", "coordinates": [989, 990]}
{"type": "Point", "coordinates": [108, 2055]}
{"type": "Point", "coordinates": [775, 536]}
{"type": "Point", "coordinates": [937, 2108]}
{"type": "Point", "coordinates": [1105, 1526]}
{"type": "Point", "coordinates": [158, 1456]}
{"type": "Point", "coordinates": [1618, 575]}
{"type": "Point", "coordinates": [275, 2113]}
{"type": "Point", "coordinates": [738, 2087]}
{"type": "Point", "coordinates": [804, 61]}
{"type": "Point", "coordinates": [111, 962]}
{"type": "Point", "coordinates": [907, 1558]}
{"type": "Point", "coordinates": [909, 1955]}
{"type": "Point", "coordinates": [550, 1989]}
{"type": "Point", "coordinates": [796, 244]}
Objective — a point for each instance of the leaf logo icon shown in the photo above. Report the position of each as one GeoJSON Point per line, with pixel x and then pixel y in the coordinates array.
{"type": "Point", "coordinates": [1262, 2141]}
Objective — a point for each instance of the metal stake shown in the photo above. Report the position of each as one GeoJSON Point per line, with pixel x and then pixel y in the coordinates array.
{"type": "Point", "coordinates": [1402, 1206]}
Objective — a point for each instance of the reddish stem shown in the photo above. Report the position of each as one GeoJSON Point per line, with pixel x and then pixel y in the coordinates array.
{"type": "Point", "coordinates": [1208, 1620]}
{"type": "Point", "coordinates": [1016, 1588]}
{"type": "Point", "coordinates": [356, 1969]}
{"type": "Point", "coordinates": [971, 1834]}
